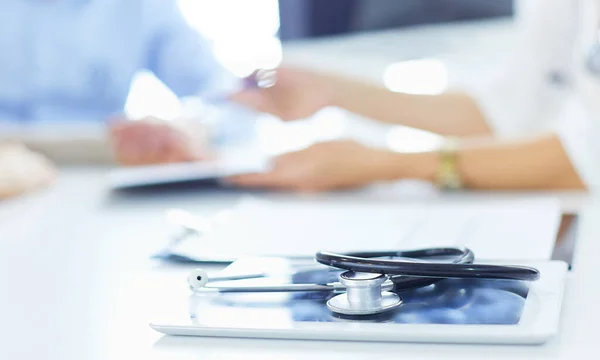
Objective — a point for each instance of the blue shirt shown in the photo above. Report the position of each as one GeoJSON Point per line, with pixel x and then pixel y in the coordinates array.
{"type": "Point", "coordinates": [74, 60]}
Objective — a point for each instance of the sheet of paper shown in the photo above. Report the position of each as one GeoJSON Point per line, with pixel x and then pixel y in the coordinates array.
{"type": "Point", "coordinates": [494, 230]}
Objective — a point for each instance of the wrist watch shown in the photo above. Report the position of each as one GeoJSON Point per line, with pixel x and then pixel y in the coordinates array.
{"type": "Point", "coordinates": [448, 175]}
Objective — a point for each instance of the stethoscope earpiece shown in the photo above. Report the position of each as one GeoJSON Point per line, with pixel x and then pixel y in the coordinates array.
{"type": "Point", "coordinates": [198, 279]}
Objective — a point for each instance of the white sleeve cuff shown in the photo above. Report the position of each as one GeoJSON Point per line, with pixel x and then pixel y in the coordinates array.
{"type": "Point", "coordinates": [579, 134]}
{"type": "Point", "coordinates": [510, 101]}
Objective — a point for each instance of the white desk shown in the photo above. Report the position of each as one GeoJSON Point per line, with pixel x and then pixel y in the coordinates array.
{"type": "Point", "coordinates": [77, 284]}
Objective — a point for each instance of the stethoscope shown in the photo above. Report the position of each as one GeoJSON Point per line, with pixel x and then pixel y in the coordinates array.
{"type": "Point", "coordinates": [371, 283]}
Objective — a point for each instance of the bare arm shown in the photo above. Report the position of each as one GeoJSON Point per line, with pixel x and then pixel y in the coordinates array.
{"type": "Point", "coordinates": [299, 94]}
{"type": "Point", "coordinates": [538, 163]}
{"type": "Point", "coordinates": [451, 113]}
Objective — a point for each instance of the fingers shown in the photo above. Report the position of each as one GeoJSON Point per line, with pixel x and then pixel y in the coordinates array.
{"type": "Point", "coordinates": [276, 178]}
{"type": "Point", "coordinates": [290, 172]}
{"type": "Point", "coordinates": [266, 180]}
{"type": "Point", "coordinates": [321, 167]}
{"type": "Point", "coordinates": [256, 99]}
{"type": "Point", "coordinates": [145, 143]}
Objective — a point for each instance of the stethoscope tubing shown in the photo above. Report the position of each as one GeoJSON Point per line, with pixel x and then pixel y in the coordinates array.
{"type": "Point", "coordinates": [415, 264]}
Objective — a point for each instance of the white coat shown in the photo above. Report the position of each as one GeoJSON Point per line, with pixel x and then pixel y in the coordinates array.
{"type": "Point", "coordinates": [548, 86]}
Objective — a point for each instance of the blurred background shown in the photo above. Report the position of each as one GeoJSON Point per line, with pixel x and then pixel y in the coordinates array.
{"type": "Point", "coordinates": [67, 83]}
{"type": "Point", "coordinates": [303, 19]}
{"type": "Point", "coordinates": [252, 36]}
{"type": "Point", "coordinates": [396, 43]}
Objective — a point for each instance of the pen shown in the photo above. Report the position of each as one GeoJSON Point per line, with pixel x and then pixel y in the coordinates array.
{"type": "Point", "coordinates": [260, 79]}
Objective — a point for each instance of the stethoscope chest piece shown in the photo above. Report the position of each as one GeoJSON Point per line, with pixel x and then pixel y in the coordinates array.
{"type": "Point", "coordinates": [364, 295]}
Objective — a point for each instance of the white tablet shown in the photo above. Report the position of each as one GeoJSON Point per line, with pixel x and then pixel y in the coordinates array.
{"type": "Point", "coordinates": [450, 311]}
{"type": "Point", "coordinates": [228, 163]}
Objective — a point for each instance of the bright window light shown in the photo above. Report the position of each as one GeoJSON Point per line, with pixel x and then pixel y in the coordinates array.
{"type": "Point", "coordinates": [148, 96]}
{"type": "Point", "coordinates": [222, 20]}
{"type": "Point", "coordinates": [405, 139]}
{"type": "Point", "coordinates": [244, 33]}
{"type": "Point", "coordinates": [420, 77]}
{"type": "Point", "coordinates": [244, 36]}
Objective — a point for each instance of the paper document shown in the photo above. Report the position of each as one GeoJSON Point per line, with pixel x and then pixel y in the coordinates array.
{"type": "Point", "coordinates": [494, 230]}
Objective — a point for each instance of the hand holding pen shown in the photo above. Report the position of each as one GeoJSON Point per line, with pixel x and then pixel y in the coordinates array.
{"type": "Point", "coordinates": [151, 140]}
{"type": "Point", "coordinates": [286, 93]}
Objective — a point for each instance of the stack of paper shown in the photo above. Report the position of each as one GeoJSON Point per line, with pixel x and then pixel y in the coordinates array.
{"type": "Point", "coordinates": [495, 230]}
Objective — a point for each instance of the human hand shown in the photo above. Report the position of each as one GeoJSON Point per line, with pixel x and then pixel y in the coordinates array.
{"type": "Point", "coordinates": [153, 141]}
{"type": "Point", "coordinates": [22, 170]}
{"type": "Point", "coordinates": [295, 94]}
{"type": "Point", "coordinates": [324, 166]}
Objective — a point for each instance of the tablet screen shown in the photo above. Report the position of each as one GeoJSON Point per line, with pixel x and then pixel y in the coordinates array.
{"type": "Point", "coordinates": [449, 301]}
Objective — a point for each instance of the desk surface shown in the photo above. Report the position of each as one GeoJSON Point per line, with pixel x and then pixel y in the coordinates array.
{"type": "Point", "coordinates": [78, 284]}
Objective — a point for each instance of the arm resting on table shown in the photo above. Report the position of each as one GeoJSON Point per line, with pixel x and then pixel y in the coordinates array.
{"type": "Point", "coordinates": [538, 163]}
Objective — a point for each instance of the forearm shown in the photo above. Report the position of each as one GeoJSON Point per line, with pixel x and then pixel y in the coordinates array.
{"type": "Point", "coordinates": [539, 163]}
{"type": "Point", "coordinates": [451, 113]}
